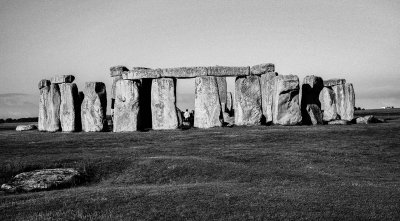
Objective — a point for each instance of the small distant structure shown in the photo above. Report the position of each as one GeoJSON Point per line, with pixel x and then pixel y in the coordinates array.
{"type": "Point", "coordinates": [388, 107]}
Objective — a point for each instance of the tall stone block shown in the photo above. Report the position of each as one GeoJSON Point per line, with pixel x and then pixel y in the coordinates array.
{"type": "Point", "coordinates": [207, 104]}
{"type": "Point", "coordinates": [286, 108]}
{"type": "Point", "coordinates": [222, 91]}
{"type": "Point", "coordinates": [93, 108]}
{"type": "Point", "coordinates": [248, 100]}
{"type": "Point", "coordinates": [328, 104]}
{"type": "Point", "coordinates": [70, 108]}
{"type": "Point", "coordinates": [345, 101]}
{"type": "Point", "coordinates": [163, 104]}
{"type": "Point", "coordinates": [267, 94]}
{"type": "Point", "coordinates": [126, 109]}
{"type": "Point", "coordinates": [309, 94]}
{"type": "Point", "coordinates": [53, 103]}
{"type": "Point", "coordinates": [229, 103]}
{"type": "Point", "coordinates": [44, 88]}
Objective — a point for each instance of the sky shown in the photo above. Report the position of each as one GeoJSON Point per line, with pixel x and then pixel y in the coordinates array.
{"type": "Point", "coordinates": [355, 40]}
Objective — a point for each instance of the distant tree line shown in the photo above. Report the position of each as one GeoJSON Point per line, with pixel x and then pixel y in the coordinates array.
{"type": "Point", "coordinates": [26, 119]}
{"type": "Point", "coordinates": [359, 108]}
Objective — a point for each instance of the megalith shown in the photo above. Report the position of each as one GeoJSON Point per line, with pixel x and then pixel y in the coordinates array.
{"type": "Point", "coordinates": [163, 104]}
{"type": "Point", "coordinates": [222, 91]}
{"type": "Point", "coordinates": [328, 104]}
{"type": "Point", "coordinates": [286, 108]}
{"type": "Point", "coordinates": [207, 104]}
{"type": "Point", "coordinates": [248, 100]}
{"type": "Point", "coordinates": [93, 108]}
{"type": "Point", "coordinates": [126, 107]}
{"type": "Point", "coordinates": [267, 94]}
{"type": "Point", "coordinates": [44, 88]}
{"type": "Point", "coordinates": [229, 103]}
{"type": "Point", "coordinates": [69, 108]}
{"type": "Point", "coordinates": [314, 113]}
{"type": "Point", "coordinates": [53, 103]}
{"type": "Point", "coordinates": [345, 100]}
{"type": "Point", "coordinates": [309, 94]}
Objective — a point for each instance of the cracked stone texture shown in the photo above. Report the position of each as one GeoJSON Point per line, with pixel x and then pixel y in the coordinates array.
{"type": "Point", "coordinates": [267, 93]}
{"type": "Point", "coordinates": [345, 101]}
{"type": "Point", "coordinates": [69, 108]}
{"type": "Point", "coordinates": [248, 109]}
{"type": "Point", "coordinates": [126, 107]}
{"type": "Point", "coordinates": [93, 108]}
{"type": "Point", "coordinates": [49, 108]}
{"type": "Point", "coordinates": [207, 104]}
{"type": "Point", "coordinates": [286, 108]}
{"type": "Point", "coordinates": [163, 104]}
{"type": "Point", "coordinates": [328, 104]}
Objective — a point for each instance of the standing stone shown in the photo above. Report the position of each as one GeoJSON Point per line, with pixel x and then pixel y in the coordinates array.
{"type": "Point", "coordinates": [127, 106]}
{"type": "Point", "coordinates": [248, 100]}
{"type": "Point", "coordinates": [179, 115]}
{"type": "Point", "coordinates": [328, 104]}
{"type": "Point", "coordinates": [314, 113]}
{"type": "Point", "coordinates": [44, 88]}
{"type": "Point", "coordinates": [207, 105]}
{"type": "Point", "coordinates": [93, 109]}
{"type": "Point", "coordinates": [286, 108]}
{"type": "Point", "coordinates": [345, 101]}
{"type": "Point", "coordinates": [222, 91]}
{"type": "Point", "coordinates": [69, 109]}
{"type": "Point", "coordinates": [53, 123]}
{"type": "Point", "coordinates": [229, 103]}
{"type": "Point", "coordinates": [267, 94]}
{"type": "Point", "coordinates": [309, 94]}
{"type": "Point", "coordinates": [163, 104]}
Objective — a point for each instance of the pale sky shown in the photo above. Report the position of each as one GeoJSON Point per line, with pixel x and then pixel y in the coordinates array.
{"type": "Point", "coordinates": [356, 40]}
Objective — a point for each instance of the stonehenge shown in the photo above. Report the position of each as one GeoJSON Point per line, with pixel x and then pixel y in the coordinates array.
{"type": "Point", "coordinates": [144, 98]}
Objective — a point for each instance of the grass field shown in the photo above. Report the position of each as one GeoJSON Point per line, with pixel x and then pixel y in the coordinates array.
{"type": "Point", "coordinates": [241, 173]}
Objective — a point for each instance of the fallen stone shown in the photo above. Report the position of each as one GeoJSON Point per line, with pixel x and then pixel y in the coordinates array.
{"type": "Point", "coordinates": [118, 70]}
{"type": "Point", "coordinates": [315, 114]}
{"type": "Point", "coordinates": [126, 107]}
{"type": "Point", "coordinates": [334, 82]}
{"type": "Point", "coordinates": [369, 119]}
{"type": "Point", "coordinates": [207, 104]}
{"type": "Point", "coordinates": [309, 94]}
{"type": "Point", "coordinates": [139, 73]}
{"type": "Point", "coordinates": [328, 104]}
{"type": "Point", "coordinates": [248, 100]}
{"type": "Point", "coordinates": [223, 71]}
{"type": "Point", "coordinates": [339, 122]}
{"type": "Point", "coordinates": [93, 108]}
{"type": "Point", "coordinates": [163, 104]}
{"type": "Point", "coordinates": [45, 179]}
{"type": "Point", "coordinates": [43, 83]}
{"type": "Point", "coordinates": [267, 93]}
{"type": "Point", "coordinates": [345, 101]}
{"type": "Point", "coordinates": [26, 127]}
{"type": "Point", "coordinates": [229, 103]}
{"type": "Point", "coordinates": [53, 103]}
{"type": "Point", "coordinates": [69, 108]}
{"type": "Point", "coordinates": [222, 92]}
{"type": "Point", "coordinates": [262, 68]}
{"type": "Point", "coordinates": [62, 79]}
{"type": "Point", "coordinates": [184, 72]}
{"type": "Point", "coordinates": [286, 108]}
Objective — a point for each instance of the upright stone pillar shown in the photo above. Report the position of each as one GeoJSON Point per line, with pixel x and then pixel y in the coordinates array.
{"type": "Point", "coordinates": [70, 107]}
{"type": "Point", "coordinates": [116, 74]}
{"type": "Point", "coordinates": [286, 108]}
{"type": "Point", "coordinates": [309, 95]}
{"type": "Point", "coordinates": [44, 88]}
{"type": "Point", "coordinates": [248, 100]}
{"type": "Point", "coordinates": [53, 123]}
{"type": "Point", "coordinates": [126, 109]}
{"type": "Point", "coordinates": [267, 94]}
{"type": "Point", "coordinates": [229, 103]}
{"type": "Point", "coordinates": [222, 91]}
{"type": "Point", "coordinates": [345, 100]}
{"type": "Point", "coordinates": [94, 107]}
{"type": "Point", "coordinates": [328, 104]}
{"type": "Point", "coordinates": [163, 104]}
{"type": "Point", "coordinates": [207, 104]}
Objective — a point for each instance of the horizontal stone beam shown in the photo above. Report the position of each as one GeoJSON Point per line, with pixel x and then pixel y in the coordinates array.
{"type": "Point", "coordinates": [192, 72]}
{"type": "Point", "coordinates": [59, 79]}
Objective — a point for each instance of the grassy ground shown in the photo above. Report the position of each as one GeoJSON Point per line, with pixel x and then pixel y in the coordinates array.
{"type": "Point", "coordinates": [240, 173]}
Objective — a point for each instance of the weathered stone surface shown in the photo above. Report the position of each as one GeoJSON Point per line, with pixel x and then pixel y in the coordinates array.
{"type": "Point", "coordinates": [93, 108]}
{"type": "Point", "coordinates": [222, 92]}
{"type": "Point", "coordinates": [26, 127]}
{"type": "Point", "coordinates": [309, 94]}
{"type": "Point", "coordinates": [69, 108]}
{"type": "Point", "coordinates": [345, 101]}
{"type": "Point", "coordinates": [53, 103]}
{"type": "Point", "coordinates": [184, 72]}
{"type": "Point", "coordinates": [62, 79]}
{"type": "Point", "coordinates": [163, 104]}
{"type": "Point", "coordinates": [126, 108]}
{"type": "Point", "coordinates": [286, 108]}
{"type": "Point", "coordinates": [114, 83]}
{"type": "Point", "coordinates": [207, 104]}
{"type": "Point", "coordinates": [179, 115]}
{"type": "Point", "coordinates": [328, 104]}
{"type": "Point", "coordinates": [118, 70]}
{"type": "Point", "coordinates": [333, 82]}
{"type": "Point", "coordinates": [369, 119]}
{"type": "Point", "coordinates": [43, 83]}
{"type": "Point", "coordinates": [315, 114]}
{"type": "Point", "coordinates": [224, 71]}
{"type": "Point", "coordinates": [248, 100]}
{"type": "Point", "coordinates": [262, 68]}
{"type": "Point", "coordinates": [339, 122]}
{"type": "Point", "coordinates": [228, 119]}
{"type": "Point", "coordinates": [139, 73]}
{"type": "Point", "coordinates": [229, 103]}
{"type": "Point", "coordinates": [40, 180]}
{"type": "Point", "coordinates": [267, 93]}
{"type": "Point", "coordinates": [42, 119]}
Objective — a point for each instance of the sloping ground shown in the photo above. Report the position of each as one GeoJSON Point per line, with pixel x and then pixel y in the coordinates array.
{"type": "Point", "coordinates": [303, 172]}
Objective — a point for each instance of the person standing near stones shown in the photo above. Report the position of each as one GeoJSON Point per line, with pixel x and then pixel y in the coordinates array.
{"type": "Point", "coordinates": [186, 115]}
